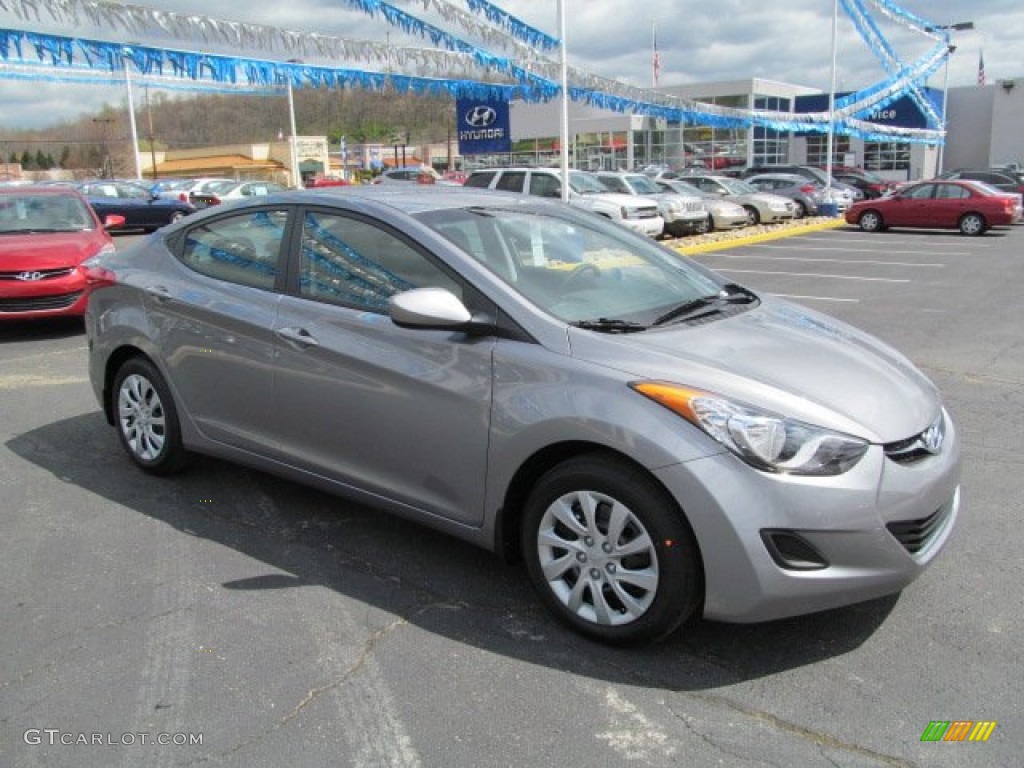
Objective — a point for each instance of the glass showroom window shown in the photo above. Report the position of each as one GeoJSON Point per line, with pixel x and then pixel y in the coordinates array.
{"type": "Point", "coordinates": [771, 147]}
{"type": "Point", "coordinates": [887, 156]}
{"type": "Point", "coordinates": [817, 149]}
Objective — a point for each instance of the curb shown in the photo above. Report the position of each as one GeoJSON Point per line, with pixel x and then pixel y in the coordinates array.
{"type": "Point", "coordinates": [721, 245]}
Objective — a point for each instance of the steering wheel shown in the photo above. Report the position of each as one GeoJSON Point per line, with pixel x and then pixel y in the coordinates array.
{"type": "Point", "coordinates": [579, 272]}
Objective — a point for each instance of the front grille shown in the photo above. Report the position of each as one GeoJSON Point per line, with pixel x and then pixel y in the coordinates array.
{"type": "Point", "coordinates": [906, 451]}
{"type": "Point", "coordinates": [695, 205]}
{"type": "Point", "coordinates": [38, 303]}
{"type": "Point", "coordinates": [916, 448]}
{"type": "Point", "coordinates": [914, 535]}
{"type": "Point", "coordinates": [44, 274]}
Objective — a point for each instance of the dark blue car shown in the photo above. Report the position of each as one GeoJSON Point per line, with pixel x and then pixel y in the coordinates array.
{"type": "Point", "coordinates": [139, 206]}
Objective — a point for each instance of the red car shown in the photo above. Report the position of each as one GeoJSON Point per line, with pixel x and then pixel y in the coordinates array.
{"type": "Point", "coordinates": [47, 236]}
{"type": "Point", "coordinates": [970, 206]}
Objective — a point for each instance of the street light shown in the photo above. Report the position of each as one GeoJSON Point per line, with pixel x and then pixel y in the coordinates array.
{"type": "Point", "coordinates": [294, 157]}
{"type": "Point", "coordinates": [960, 26]}
{"type": "Point", "coordinates": [563, 127]}
{"type": "Point", "coordinates": [125, 55]}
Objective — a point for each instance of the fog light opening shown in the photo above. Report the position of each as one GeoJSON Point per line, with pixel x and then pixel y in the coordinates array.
{"type": "Point", "coordinates": [792, 552]}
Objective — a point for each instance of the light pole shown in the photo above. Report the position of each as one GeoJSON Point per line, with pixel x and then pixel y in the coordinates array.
{"type": "Point", "coordinates": [131, 114]}
{"type": "Point", "coordinates": [293, 152]}
{"type": "Point", "coordinates": [832, 103]}
{"type": "Point", "coordinates": [960, 26]}
{"type": "Point", "coordinates": [563, 126]}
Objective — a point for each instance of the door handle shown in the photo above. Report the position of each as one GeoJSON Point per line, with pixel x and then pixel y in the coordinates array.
{"type": "Point", "coordinates": [299, 336]}
{"type": "Point", "coordinates": [158, 292]}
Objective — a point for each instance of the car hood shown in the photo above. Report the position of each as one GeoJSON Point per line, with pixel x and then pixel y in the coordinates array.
{"type": "Point", "coordinates": [614, 198]}
{"type": "Point", "coordinates": [786, 359]}
{"type": "Point", "coordinates": [47, 251]}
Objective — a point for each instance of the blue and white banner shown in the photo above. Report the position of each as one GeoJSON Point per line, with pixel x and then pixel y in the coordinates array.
{"type": "Point", "coordinates": [483, 126]}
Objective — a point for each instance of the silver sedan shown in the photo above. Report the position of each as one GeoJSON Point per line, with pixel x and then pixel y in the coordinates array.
{"type": "Point", "coordinates": [652, 439]}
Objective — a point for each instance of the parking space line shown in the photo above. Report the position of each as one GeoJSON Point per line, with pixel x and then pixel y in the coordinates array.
{"type": "Point", "coordinates": [739, 256]}
{"type": "Point", "coordinates": [815, 274]}
{"type": "Point", "coordinates": [861, 250]}
{"type": "Point", "coordinates": [873, 240]}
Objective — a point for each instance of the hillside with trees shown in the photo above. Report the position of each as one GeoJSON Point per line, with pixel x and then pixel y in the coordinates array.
{"type": "Point", "coordinates": [189, 121]}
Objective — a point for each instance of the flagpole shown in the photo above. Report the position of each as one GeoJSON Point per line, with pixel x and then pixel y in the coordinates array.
{"type": "Point", "coordinates": [654, 53]}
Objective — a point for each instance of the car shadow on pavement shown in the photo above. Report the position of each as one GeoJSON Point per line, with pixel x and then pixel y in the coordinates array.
{"type": "Point", "coordinates": [423, 577]}
{"type": "Point", "coordinates": [42, 329]}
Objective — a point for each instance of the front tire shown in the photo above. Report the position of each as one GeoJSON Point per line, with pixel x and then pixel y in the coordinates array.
{"type": "Point", "coordinates": [609, 551]}
{"type": "Point", "coordinates": [972, 225]}
{"type": "Point", "coordinates": [146, 418]}
{"type": "Point", "coordinates": [870, 221]}
{"type": "Point", "coordinates": [753, 216]}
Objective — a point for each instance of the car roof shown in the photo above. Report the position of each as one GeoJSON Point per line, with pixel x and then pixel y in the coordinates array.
{"type": "Point", "coordinates": [412, 198]}
{"type": "Point", "coordinates": [40, 189]}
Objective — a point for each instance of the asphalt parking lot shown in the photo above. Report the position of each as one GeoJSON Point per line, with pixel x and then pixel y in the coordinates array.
{"type": "Point", "coordinates": [279, 626]}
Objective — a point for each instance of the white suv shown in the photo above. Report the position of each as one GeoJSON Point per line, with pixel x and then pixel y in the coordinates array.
{"type": "Point", "coordinates": [683, 215]}
{"type": "Point", "coordinates": [585, 191]}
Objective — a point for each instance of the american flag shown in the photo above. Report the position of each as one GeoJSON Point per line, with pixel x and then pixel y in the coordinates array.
{"type": "Point", "coordinates": [981, 69]}
{"type": "Point", "coordinates": [657, 60]}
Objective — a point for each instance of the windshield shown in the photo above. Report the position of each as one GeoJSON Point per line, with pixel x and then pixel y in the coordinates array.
{"type": "Point", "coordinates": [585, 184]}
{"type": "Point", "coordinates": [577, 268]}
{"type": "Point", "coordinates": [643, 185]}
{"type": "Point", "coordinates": [43, 213]}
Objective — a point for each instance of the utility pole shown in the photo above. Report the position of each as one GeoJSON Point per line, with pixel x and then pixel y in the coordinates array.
{"type": "Point", "coordinates": [152, 146]}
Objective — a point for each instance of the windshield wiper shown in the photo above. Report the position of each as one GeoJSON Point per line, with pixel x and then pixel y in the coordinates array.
{"type": "Point", "coordinates": [610, 325]}
{"type": "Point", "coordinates": [729, 294]}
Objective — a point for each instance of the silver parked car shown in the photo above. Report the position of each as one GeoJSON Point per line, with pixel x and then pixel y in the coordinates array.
{"type": "Point", "coordinates": [761, 207]}
{"type": "Point", "coordinates": [723, 214]}
{"type": "Point", "coordinates": [652, 439]}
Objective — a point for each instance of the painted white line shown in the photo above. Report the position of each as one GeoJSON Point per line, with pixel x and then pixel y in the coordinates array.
{"type": "Point", "coordinates": [852, 237]}
{"type": "Point", "coordinates": [738, 256]}
{"type": "Point", "coordinates": [814, 298]}
{"type": "Point", "coordinates": [862, 250]}
{"type": "Point", "coordinates": [815, 274]}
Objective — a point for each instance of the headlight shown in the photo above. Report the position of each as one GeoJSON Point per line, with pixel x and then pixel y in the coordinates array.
{"type": "Point", "coordinates": [764, 440]}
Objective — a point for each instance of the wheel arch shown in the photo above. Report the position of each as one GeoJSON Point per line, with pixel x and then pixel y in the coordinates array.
{"type": "Point", "coordinates": [117, 358]}
{"type": "Point", "coordinates": [530, 471]}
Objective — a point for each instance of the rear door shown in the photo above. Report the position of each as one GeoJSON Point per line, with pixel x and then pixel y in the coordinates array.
{"type": "Point", "coordinates": [403, 414]}
{"type": "Point", "coordinates": [213, 310]}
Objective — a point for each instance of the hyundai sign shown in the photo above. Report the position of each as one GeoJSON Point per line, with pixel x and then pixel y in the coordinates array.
{"type": "Point", "coordinates": [483, 126]}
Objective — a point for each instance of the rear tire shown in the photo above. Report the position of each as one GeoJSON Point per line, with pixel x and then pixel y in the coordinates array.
{"type": "Point", "coordinates": [146, 418]}
{"type": "Point", "coordinates": [972, 224]}
{"type": "Point", "coordinates": [610, 552]}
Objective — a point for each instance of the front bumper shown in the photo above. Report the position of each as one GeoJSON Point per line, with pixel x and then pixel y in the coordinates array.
{"type": "Point", "coordinates": [652, 226]}
{"type": "Point", "coordinates": [857, 521]}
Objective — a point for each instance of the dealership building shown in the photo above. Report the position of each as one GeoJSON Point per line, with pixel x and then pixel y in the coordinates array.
{"type": "Point", "coordinates": [984, 129]}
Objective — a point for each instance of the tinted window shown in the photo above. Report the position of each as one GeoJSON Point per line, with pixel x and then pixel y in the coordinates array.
{"type": "Point", "coordinates": [356, 264]}
{"type": "Point", "coordinates": [545, 185]}
{"type": "Point", "coordinates": [922, 192]}
{"type": "Point", "coordinates": [481, 180]}
{"type": "Point", "coordinates": [241, 249]}
{"type": "Point", "coordinates": [951, 192]}
{"type": "Point", "coordinates": [511, 181]}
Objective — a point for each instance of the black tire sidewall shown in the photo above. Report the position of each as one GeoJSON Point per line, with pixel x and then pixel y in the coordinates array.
{"type": "Point", "coordinates": [679, 578]}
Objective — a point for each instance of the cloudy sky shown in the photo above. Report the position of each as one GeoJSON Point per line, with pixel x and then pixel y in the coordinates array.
{"type": "Point", "coordinates": [697, 42]}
